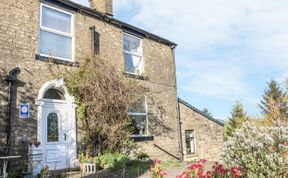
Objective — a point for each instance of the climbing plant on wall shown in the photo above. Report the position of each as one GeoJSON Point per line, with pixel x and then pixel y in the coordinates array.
{"type": "Point", "coordinates": [102, 95]}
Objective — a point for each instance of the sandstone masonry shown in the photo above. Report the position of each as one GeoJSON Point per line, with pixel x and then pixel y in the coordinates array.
{"type": "Point", "coordinates": [208, 133]}
{"type": "Point", "coordinates": [19, 37]}
{"type": "Point", "coordinates": [19, 47]}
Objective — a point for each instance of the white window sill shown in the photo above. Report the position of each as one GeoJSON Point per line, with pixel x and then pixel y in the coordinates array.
{"type": "Point", "coordinates": [56, 61]}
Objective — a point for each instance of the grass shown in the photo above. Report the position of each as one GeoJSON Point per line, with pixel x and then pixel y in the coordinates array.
{"type": "Point", "coordinates": [135, 168]}
{"type": "Point", "coordinates": [172, 164]}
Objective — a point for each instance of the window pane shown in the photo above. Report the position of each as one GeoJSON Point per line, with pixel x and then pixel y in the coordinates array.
{"type": "Point", "coordinates": [139, 124]}
{"type": "Point", "coordinates": [187, 134]}
{"type": "Point", "coordinates": [189, 139]}
{"type": "Point", "coordinates": [137, 104]}
{"type": "Point", "coordinates": [188, 146]}
{"type": "Point", "coordinates": [133, 64]}
{"type": "Point", "coordinates": [55, 45]}
{"type": "Point", "coordinates": [52, 128]}
{"type": "Point", "coordinates": [56, 20]}
{"type": "Point", "coordinates": [54, 94]}
{"type": "Point", "coordinates": [131, 43]}
{"type": "Point", "coordinates": [192, 146]}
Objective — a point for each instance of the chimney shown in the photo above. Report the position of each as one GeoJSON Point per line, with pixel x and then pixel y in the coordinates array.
{"type": "Point", "coordinates": [104, 6]}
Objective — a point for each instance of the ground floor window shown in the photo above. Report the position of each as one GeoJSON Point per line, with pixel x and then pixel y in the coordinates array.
{"type": "Point", "coordinates": [190, 141]}
{"type": "Point", "coordinates": [137, 111]}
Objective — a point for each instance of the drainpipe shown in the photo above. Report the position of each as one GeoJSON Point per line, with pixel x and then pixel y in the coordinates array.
{"type": "Point", "coordinates": [180, 131]}
{"type": "Point", "coordinates": [10, 78]}
{"type": "Point", "coordinates": [177, 108]}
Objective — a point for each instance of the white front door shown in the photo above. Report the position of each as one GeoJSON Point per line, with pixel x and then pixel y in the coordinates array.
{"type": "Point", "coordinates": [56, 127]}
{"type": "Point", "coordinates": [54, 135]}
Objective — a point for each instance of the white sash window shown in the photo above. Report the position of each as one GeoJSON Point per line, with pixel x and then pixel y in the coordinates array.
{"type": "Point", "coordinates": [133, 54]}
{"type": "Point", "coordinates": [56, 33]}
{"type": "Point", "coordinates": [138, 114]}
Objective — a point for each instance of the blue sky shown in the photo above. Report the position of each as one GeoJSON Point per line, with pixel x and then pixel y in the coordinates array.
{"type": "Point", "coordinates": [227, 49]}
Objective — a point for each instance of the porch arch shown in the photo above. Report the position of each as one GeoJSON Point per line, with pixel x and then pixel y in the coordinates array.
{"type": "Point", "coordinates": [57, 84]}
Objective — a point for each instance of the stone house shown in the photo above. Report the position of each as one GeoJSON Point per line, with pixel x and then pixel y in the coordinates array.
{"type": "Point", "coordinates": [34, 31]}
{"type": "Point", "coordinates": [202, 135]}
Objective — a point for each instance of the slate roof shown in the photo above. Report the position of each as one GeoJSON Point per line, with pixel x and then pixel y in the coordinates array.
{"type": "Point", "coordinates": [200, 112]}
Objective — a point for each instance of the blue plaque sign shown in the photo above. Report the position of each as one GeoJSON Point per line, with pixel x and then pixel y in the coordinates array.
{"type": "Point", "coordinates": [24, 110]}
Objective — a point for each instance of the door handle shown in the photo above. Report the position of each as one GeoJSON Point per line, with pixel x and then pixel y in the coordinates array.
{"type": "Point", "coordinates": [65, 136]}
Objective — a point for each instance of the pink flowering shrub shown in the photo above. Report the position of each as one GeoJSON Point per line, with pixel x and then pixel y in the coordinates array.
{"type": "Point", "coordinates": [156, 170]}
{"type": "Point", "coordinates": [196, 170]}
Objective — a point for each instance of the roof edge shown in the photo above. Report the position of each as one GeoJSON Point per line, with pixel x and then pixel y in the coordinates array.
{"type": "Point", "coordinates": [200, 112]}
{"type": "Point", "coordinates": [80, 8]}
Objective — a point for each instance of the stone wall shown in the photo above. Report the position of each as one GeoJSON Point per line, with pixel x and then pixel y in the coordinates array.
{"type": "Point", "coordinates": [209, 139]}
{"type": "Point", "coordinates": [104, 6]}
{"type": "Point", "coordinates": [18, 45]}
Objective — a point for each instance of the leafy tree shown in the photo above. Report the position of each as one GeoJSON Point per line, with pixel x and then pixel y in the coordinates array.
{"type": "Point", "coordinates": [274, 104]}
{"type": "Point", "coordinates": [207, 112]}
{"type": "Point", "coordinates": [238, 116]}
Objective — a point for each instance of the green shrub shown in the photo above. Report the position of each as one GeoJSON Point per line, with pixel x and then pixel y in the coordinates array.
{"type": "Point", "coordinates": [142, 156]}
{"type": "Point", "coordinates": [112, 160]}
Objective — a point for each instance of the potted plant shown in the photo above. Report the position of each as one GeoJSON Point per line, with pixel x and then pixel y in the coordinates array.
{"type": "Point", "coordinates": [44, 172]}
{"type": "Point", "coordinates": [82, 160]}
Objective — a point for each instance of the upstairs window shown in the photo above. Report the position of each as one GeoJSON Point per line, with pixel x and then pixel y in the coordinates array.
{"type": "Point", "coordinates": [55, 37]}
{"type": "Point", "coordinates": [137, 111]}
{"type": "Point", "coordinates": [133, 54]}
{"type": "Point", "coordinates": [190, 141]}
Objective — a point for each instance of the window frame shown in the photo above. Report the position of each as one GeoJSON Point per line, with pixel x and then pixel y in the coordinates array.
{"type": "Point", "coordinates": [194, 142]}
{"type": "Point", "coordinates": [49, 30]}
{"type": "Point", "coordinates": [141, 114]}
{"type": "Point", "coordinates": [137, 54]}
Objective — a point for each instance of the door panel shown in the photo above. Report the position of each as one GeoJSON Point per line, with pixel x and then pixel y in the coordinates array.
{"type": "Point", "coordinates": [53, 155]}
{"type": "Point", "coordinates": [53, 140]}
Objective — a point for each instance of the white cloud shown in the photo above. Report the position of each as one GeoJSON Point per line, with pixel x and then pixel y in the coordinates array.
{"type": "Point", "coordinates": [123, 4]}
{"type": "Point", "coordinates": [257, 29]}
{"type": "Point", "coordinates": [198, 25]}
{"type": "Point", "coordinates": [82, 2]}
{"type": "Point", "coordinates": [282, 77]}
{"type": "Point", "coordinates": [226, 47]}
{"type": "Point", "coordinates": [213, 78]}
